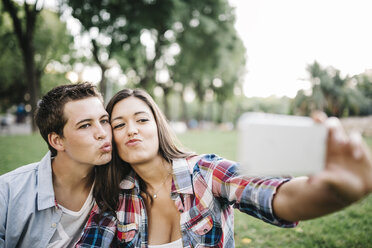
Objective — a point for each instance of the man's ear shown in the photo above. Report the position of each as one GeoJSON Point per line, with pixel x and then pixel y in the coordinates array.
{"type": "Point", "coordinates": [56, 141]}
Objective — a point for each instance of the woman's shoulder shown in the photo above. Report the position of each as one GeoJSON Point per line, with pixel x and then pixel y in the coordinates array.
{"type": "Point", "coordinates": [209, 161]}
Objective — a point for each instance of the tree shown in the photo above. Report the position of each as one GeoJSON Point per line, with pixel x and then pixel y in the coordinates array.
{"type": "Point", "coordinates": [114, 29]}
{"type": "Point", "coordinates": [41, 38]}
{"type": "Point", "coordinates": [335, 95]}
{"type": "Point", "coordinates": [210, 51]}
{"type": "Point", "coordinates": [364, 87]}
{"type": "Point", "coordinates": [11, 77]}
{"type": "Point", "coordinates": [24, 27]}
{"type": "Point", "coordinates": [145, 36]}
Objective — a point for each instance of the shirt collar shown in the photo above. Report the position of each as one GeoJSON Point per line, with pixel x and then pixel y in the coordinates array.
{"type": "Point", "coordinates": [130, 181]}
{"type": "Point", "coordinates": [181, 182]}
{"type": "Point", "coordinates": [45, 197]}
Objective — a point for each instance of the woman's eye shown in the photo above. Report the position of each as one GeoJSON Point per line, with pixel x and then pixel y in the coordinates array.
{"type": "Point", "coordinates": [143, 120]}
{"type": "Point", "coordinates": [118, 125]}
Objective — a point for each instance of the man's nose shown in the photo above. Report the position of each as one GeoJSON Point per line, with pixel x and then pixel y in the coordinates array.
{"type": "Point", "coordinates": [101, 132]}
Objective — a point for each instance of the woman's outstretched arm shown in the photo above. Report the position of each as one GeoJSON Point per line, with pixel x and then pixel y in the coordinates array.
{"type": "Point", "coordinates": [346, 179]}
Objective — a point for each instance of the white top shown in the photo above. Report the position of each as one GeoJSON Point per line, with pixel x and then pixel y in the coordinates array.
{"type": "Point", "coordinates": [174, 244]}
{"type": "Point", "coordinates": [71, 225]}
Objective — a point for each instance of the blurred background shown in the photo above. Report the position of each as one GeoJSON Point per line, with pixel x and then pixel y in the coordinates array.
{"type": "Point", "coordinates": [205, 62]}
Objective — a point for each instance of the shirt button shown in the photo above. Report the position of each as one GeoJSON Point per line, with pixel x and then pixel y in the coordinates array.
{"type": "Point", "coordinates": [54, 225]}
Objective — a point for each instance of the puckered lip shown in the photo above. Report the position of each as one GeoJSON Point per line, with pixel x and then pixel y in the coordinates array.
{"type": "Point", "coordinates": [106, 147]}
{"type": "Point", "coordinates": [132, 141]}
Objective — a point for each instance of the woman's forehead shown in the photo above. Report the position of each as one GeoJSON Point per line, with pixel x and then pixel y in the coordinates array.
{"type": "Point", "coordinates": [130, 106]}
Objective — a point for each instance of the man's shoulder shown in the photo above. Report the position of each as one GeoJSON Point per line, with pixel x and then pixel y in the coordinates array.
{"type": "Point", "coordinates": [22, 172]}
{"type": "Point", "coordinates": [25, 169]}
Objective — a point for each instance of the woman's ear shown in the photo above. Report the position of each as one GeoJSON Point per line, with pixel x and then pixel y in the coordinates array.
{"type": "Point", "coordinates": [56, 141]}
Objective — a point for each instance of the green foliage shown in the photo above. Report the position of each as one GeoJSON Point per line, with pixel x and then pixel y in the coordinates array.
{"type": "Point", "coordinates": [212, 56]}
{"type": "Point", "coordinates": [203, 32]}
{"type": "Point", "coordinates": [335, 95]}
{"type": "Point", "coordinates": [51, 46]}
{"type": "Point", "coordinates": [12, 86]}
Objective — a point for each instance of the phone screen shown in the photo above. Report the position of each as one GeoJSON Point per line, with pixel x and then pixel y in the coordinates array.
{"type": "Point", "coordinates": [278, 145]}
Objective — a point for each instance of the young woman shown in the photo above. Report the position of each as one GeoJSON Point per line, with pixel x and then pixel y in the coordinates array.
{"type": "Point", "coordinates": [155, 195]}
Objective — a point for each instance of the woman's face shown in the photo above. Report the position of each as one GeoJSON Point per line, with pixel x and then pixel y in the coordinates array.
{"type": "Point", "coordinates": [135, 131]}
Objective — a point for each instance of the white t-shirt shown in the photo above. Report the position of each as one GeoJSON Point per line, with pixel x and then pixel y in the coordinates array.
{"type": "Point", "coordinates": [174, 244]}
{"type": "Point", "coordinates": [71, 225]}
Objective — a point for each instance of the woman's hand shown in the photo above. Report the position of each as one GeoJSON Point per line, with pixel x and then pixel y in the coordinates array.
{"type": "Point", "coordinates": [347, 177]}
{"type": "Point", "coordinates": [348, 169]}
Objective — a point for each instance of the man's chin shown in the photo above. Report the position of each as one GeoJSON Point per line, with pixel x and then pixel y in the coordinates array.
{"type": "Point", "coordinates": [104, 159]}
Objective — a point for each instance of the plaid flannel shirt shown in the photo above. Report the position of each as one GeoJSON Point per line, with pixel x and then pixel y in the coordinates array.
{"type": "Point", "coordinates": [204, 193]}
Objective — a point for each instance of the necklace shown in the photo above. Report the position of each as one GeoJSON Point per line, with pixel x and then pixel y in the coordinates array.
{"type": "Point", "coordinates": [155, 195]}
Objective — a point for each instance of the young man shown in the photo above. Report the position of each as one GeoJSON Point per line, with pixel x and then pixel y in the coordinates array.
{"type": "Point", "coordinates": [46, 204]}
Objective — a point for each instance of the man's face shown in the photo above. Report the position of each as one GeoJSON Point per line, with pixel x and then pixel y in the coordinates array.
{"type": "Point", "coordinates": [87, 133]}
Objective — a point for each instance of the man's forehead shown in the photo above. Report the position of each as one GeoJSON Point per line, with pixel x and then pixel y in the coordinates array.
{"type": "Point", "coordinates": [91, 107]}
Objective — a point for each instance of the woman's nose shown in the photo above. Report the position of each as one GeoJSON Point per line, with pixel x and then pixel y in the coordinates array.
{"type": "Point", "coordinates": [132, 129]}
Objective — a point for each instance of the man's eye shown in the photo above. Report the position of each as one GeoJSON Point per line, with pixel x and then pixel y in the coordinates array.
{"type": "Point", "coordinates": [105, 121]}
{"type": "Point", "coordinates": [118, 125]}
{"type": "Point", "coordinates": [84, 126]}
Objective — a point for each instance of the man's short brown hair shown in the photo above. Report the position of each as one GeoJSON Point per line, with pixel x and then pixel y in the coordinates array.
{"type": "Point", "coordinates": [49, 114]}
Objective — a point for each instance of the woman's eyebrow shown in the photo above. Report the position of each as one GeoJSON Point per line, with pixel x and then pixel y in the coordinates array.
{"type": "Point", "coordinates": [141, 112]}
{"type": "Point", "coordinates": [136, 113]}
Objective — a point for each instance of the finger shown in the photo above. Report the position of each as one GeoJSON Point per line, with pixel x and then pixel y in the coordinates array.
{"type": "Point", "coordinates": [356, 145]}
{"type": "Point", "coordinates": [318, 116]}
{"type": "Point", "coordinates": [336, 131]}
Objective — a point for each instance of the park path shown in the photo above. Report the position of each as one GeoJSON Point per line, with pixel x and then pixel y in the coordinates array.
{"type": "Point", "coordinates": [15, 129]}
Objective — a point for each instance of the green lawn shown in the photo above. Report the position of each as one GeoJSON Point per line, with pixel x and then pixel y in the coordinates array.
{"type": "Point", "coordinates": [351, 227]}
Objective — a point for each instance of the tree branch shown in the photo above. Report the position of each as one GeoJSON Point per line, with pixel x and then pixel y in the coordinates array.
{"type": "Point", "coordinates": [11, 9]}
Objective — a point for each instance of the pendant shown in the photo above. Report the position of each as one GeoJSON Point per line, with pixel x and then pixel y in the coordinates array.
{"type": "Point", "coordinates": [155, 196]}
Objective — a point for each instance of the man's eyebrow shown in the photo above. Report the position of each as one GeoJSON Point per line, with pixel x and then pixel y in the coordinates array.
{"type": "Point", "coordinates": [85, 120]}
{"type": "Point", "coordinates": [88, 120]}
{"type": "Point", "coordinates": [136, 113]}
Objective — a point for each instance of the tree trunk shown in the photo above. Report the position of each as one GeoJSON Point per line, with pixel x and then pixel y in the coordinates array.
{"type": "Point", "coordinates": [200, 95]}
{"type": "Point", "coordinates": [103, 83]}
{"type": "Point", "coordinates": [221, 112]}
{"type": "Point", "coordinates": [33, 82]}
{"type": "Point", "coordinates": [25, 40]}
{"type": "Point", "coordinates": [166, 91]}
{"type": "Point", "coordinates": [184, 114]}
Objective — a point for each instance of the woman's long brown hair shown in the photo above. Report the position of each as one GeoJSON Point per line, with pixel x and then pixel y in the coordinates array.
{"type": "Point", "coordinates": [108, 177]}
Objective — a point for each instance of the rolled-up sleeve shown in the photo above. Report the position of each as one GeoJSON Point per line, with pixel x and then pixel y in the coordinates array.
{"type": "Point", "coordinates": [251, 195]}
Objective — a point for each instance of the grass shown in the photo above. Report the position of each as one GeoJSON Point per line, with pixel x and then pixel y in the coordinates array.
{"type": "Point", "coordinates": [351, 227]}
{"type": "Point", "coordinates": [18, 150]}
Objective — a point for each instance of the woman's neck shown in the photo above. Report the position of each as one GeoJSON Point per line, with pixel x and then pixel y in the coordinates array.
{"type": "Point", "coordinates": [153, 172]}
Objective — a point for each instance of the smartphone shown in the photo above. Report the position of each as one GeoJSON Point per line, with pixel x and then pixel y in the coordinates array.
{"type": "Point", "coordinates": [280, 145]}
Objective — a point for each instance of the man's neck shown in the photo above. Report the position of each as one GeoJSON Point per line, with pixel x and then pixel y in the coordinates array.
{"type": "Point", "coordinates": [71, 182]}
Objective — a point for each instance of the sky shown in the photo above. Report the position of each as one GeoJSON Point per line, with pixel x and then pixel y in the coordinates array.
{"type": "Point", "coordinates": [283, 37]}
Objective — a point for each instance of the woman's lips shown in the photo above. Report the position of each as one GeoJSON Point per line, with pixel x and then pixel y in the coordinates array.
{"type": "Point", "coordinates": [132, 142]}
